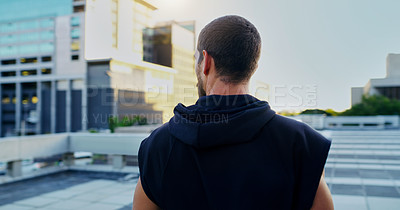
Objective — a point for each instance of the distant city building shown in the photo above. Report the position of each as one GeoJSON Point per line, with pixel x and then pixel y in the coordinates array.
{"type": "Point", "coordinates": [70, 65]}
{"type": "Point", "coordinates": [171, 44]}
{"type": "Point", "coordinates": [388, 86]}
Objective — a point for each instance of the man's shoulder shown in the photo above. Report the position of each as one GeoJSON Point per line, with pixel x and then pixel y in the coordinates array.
{"type": "Point", "coordinates": [296, 130]}
{"type": "Point", "coordinates": [157, 140]}
{"type": "Point", "coordinates": [288, 125]}
{"type": "Point", "coordinates": [153, 157]}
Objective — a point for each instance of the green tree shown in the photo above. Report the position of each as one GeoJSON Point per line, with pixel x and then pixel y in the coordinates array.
{"type": "Point", "coordinates": [112, 123]}
{"type": "Point", "coordinates": [315, 111]}
{"type": "Point", "coordinates": [288, 113]}
{"type": "Point", "coordinates": [331, 112]}
{"type": "Point", "coordinates": [374, 105]}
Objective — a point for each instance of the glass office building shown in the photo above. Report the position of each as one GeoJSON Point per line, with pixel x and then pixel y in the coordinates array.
{"type": "Point", "coordinates": [70, 65]}
{"type": "Point", "coordinates": [36, 37]}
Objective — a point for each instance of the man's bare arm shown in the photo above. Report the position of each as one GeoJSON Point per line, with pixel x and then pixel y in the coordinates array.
{"type": "Point", "coordinates": [323, 197]}
{"type": "Point", "coordinates": [141, 201]}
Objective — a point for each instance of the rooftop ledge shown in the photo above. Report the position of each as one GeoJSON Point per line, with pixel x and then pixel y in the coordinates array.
{"type": "Point", "coordinates": [16, 149]}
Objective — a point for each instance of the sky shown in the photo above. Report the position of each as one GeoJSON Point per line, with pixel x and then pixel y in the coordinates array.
{"type": "Point", "coordinates": [313, 51]}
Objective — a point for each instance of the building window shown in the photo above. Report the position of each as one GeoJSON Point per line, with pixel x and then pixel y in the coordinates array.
{"type": "Point", "coordinates": [28, 25]}
{"type": "Point", "coordinates": [34, 99]}
{"type": "Point", "coordinates": [29, 72]}
{"type": "Point", "coordinates": [25, 99]}
{"type": "Point", "coordinates": [8, 74]}
{"type": "Point", "coordinates": [5, 100]}
{"type": "Point", "coordinates": [46, 59]}
{"type": "Point", "coordinates": [46, 47]}
{"type": "Point", "coordinates": [75, 46]}
{"type": "Point", "coordinates": [8, 27]}
{"type": "Point", "coordinates": [75, 57]}
{"type": "Point", "coordinates": [75, 33]}
{"type": "Point", "coordinates": [75, 21]}
{"type": "Point", "coordinates": [8, 62]}
{"type": "Point", "coordinates": [28, 60]}
{"type": "Point", "coordinates": [46, 71]}
{"type": "Point", "coordinates": [8, 39]}
{"type": "Point", "coordinates": [8, 50]}
{"type": "Point", "coordinates": [29, 37]}
{"type": "Point", "coordinates": [47, 23]}
{"type": "Point", "coordinates": [80, 8]}
{"type": "Point", "coordinates": [45, 35]}
{"type": "Point", "coordinates": [29, 49]}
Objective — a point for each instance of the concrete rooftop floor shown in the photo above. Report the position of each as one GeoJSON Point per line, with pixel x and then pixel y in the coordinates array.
{"type": "Point", "coordinates": [70, 190]}
{"type": "Point", "coordinates": [363, 173]}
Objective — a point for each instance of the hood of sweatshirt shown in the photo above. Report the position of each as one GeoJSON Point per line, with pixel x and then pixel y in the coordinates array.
{"type": "Point", "coordinates": [218, 120]}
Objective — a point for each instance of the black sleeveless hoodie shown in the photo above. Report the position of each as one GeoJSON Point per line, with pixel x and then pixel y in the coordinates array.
{"type": "Point", "coordinates": [232, 152]}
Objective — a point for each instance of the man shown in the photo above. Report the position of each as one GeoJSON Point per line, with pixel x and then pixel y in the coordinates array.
{"type": "Point", "coordinates": [230, 150]}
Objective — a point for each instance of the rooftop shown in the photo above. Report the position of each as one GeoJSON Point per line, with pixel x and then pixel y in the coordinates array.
{"type": "Point", "coordinates": [362, 172]}
{"type": "Point", "coordinates": [70, 190]}
{"type": "Point", "coordinates": [363, 169]}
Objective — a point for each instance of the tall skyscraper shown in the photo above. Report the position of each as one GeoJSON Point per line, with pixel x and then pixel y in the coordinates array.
{"type": "Point", "coordinates": [70, 65]}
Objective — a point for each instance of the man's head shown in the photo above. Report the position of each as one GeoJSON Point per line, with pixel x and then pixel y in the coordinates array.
{"type": "Point", "coordinates": [234, 45]}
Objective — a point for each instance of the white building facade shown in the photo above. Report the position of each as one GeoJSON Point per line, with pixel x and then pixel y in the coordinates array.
{"type": "Point", "coordinates": [70, 65]}
{"type": "Point", "coordinates": [388, 86]}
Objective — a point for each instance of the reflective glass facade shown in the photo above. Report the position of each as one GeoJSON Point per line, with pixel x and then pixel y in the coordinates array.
{"type": "Point", "coordinates": [29, 31]}
{"type": "Point", "coordinates": [21, 9]}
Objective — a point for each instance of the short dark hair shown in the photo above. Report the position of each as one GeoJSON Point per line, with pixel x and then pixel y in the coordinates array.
{"type": "Point", "coordinates": [235, 45]}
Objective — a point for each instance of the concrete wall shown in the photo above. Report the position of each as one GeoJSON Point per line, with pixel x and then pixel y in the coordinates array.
{"type": "Point", "coordinates": [20, 148]}
{"type": "Point", "coordinates": [64, 64]}
{"type": "Point", "coordinates": [125, 76]}
{"type": "Point", "coordinates": [98, 41]}
{"type": "Point", "coordinates": [15, 149]}
{"type": "Point", "coordinates": [320, 121]}
{"type": "Point", "coordinates": [182, 37]}
{"type": "Point", "coordinates": [362, 122]}
{"type": "Point", "coordinates": [393, 65]}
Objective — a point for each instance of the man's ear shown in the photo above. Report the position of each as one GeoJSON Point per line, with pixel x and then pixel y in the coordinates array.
{"type": "Point", "coordinates": [207, 62]}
